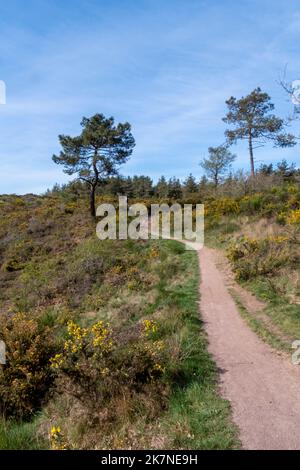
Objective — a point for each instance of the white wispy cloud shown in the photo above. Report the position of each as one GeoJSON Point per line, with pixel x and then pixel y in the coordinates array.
{"type": "Point", "coordinates": [166, 67]}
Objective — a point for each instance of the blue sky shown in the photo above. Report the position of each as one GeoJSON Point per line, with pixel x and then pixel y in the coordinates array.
{"type": "Point", "coordinates": [165, 66]}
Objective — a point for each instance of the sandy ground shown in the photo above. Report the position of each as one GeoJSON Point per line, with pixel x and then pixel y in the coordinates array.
{"type": "Point", "coordinates": [263, 387]}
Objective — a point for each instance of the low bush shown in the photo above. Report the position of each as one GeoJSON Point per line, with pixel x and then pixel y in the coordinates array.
{"type": "Point", "coordinates": [255, 257]}
{"type": "Point", "coordinates": [26, 377]}
{"type": "Point", "coordinates": [98, 364]}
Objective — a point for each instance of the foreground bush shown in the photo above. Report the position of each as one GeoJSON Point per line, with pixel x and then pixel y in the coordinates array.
{"type": "Point", "coordinates": [26, 377]}
{"type": "Point", "coordinates": [98, 364]}
{"type": "Point", "coordinates": [253, 257]}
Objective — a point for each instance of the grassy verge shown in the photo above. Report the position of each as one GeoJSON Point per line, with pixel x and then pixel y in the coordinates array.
{"type": "Point", "coordinates": [258, 326]}
{"type": "Point", "coordinates": [15, 436]}
{"type": "Point", "coordinates": [282, 313]}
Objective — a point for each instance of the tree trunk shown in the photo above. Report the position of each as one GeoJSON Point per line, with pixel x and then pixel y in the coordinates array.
{"type": "Point", "coordinates": [94, 185]}
{"type": "Point", "coordinates": [92, 201]}
{"type": "Point", "coordinates": [251, 156]}
{"type": "Point", "coordinates": [216, 181]}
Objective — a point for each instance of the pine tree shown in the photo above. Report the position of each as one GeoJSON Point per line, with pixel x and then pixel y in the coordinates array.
{"type": "Point", "coordinates": [190, 185]}
{"type": "Point", "coordinates": [250, 116]}
{"type": "Point", "coordinates": [97, 152]}
{"type": "Point", "coordinates": [162, 188]}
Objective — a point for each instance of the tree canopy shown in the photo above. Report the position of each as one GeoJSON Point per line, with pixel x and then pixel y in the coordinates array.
{"type": "Point", "coordinates": [252, 120]}
{"type": "Point", "coordinates": [97, 152]}
{"type": "Point", "coordinates": [218, 162]}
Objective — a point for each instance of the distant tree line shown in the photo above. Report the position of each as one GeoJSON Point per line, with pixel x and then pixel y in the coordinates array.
{"type": "Point", "coordinates": [143, 187]}
{"type": "Point", "coordinates": [96, 154]}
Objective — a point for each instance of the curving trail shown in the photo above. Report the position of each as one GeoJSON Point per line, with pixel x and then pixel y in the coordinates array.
{"type": "Point", "coordinates": [262, 386]}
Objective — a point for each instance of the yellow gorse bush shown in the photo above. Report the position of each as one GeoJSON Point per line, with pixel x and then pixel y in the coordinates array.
{"type": "Point", "coordinates": [76, 337]}
{"type": "Point", "coordinates": [222, 206]}
{"type": "Point", "coordinates": [102, 336]}
{"type": "Point", "coordinates": [26, 377]}
{"type": "Point", "coordinates": [97, 363]}
{"type": "Point", "coordinates": [255, 257]}
{"type": "Point", "coordinates": [293, 217]}
{"type": "Point", "coordinates": [98, 336]}
{"type": "Point", "coordinates": [153, 348]}
{"type": "Point", "coordinates": [76, 331]}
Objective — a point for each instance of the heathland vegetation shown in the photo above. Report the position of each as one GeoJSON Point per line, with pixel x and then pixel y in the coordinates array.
{"type": "Point", "coordinates": [104, 344]}
{"type": "Point", "coordinates": [105, 348]}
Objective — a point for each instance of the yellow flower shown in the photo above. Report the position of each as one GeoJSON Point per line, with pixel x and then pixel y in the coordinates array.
{"type": "Point", "coordinates": [158, 367]}
{"type": "Point", "coordinates": [56, 361]}
{"type": "Point", "coordinates": [293, 217]}
{"type": "Point", "coordinates": [150, 326]}
{"type": "Point", "coordinates": [57, 441]}
{"type": "Point", "coordinates": [55, 431]}
{"type": "Point", "coordinates": [76, 331]}
{"type": "Point", "coordinates": [102, 335]}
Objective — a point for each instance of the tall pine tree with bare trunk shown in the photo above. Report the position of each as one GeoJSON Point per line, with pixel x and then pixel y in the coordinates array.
{"type": "Point", "coordinates": [253, 121]}
{"type": "Point", "coordinates": [97, 152]}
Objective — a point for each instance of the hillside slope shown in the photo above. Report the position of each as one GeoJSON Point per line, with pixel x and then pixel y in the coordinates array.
{"type": "Point", "coordinates": [105, 348]}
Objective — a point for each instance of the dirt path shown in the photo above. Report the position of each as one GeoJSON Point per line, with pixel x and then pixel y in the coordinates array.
{"type": "Point", "coordinates": [263, 387]}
